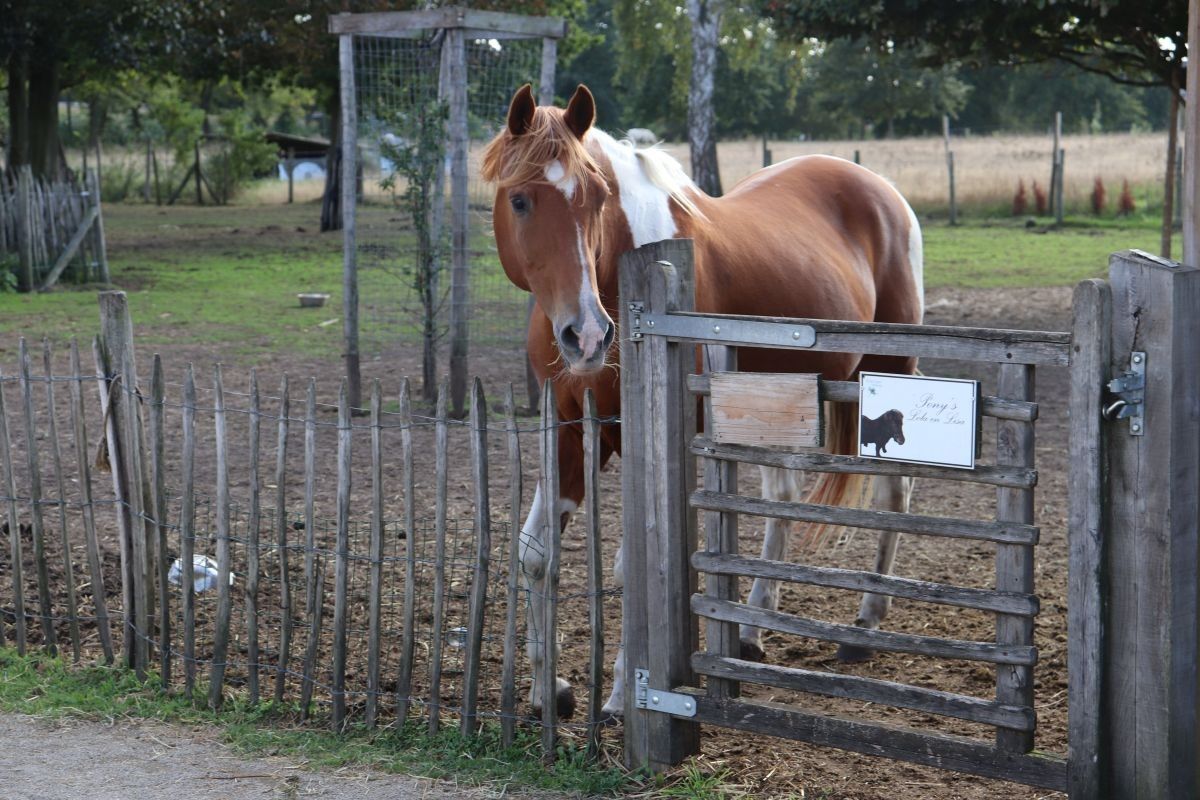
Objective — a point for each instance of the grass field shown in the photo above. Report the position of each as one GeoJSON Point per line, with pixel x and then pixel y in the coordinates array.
{"type": "Point", "coordinates": [229, 276]}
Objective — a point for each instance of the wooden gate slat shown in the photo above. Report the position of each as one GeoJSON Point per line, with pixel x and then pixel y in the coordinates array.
{"type": "Point", "coordinates": [1016, 603]}
{"type": "Point", "coordinates": [868, 690]}
{"type": "Point", "coordinates": [894, 641]}
{"type": "Point", "coordinates": [814, 461]}
{"type": "Point", "coordinates": [1008, 532]}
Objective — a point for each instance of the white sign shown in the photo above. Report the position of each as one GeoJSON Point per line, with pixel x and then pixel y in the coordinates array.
{"type": "Point", "coordinates": [918, 419]}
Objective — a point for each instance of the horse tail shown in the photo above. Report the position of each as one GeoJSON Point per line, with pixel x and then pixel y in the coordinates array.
{"type": "Point", "coordinates": [837, 488]}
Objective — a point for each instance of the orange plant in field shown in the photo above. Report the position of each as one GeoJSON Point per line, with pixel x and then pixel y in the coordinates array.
{"type": "Point", "coordinates": [1020, 201]}
{"type": "Point", "coordinates": [1125, 204]}
{"type": "Point", "coordinates": [1039, 200]}
{"type": "Point", "coordinates": [1099, 197]}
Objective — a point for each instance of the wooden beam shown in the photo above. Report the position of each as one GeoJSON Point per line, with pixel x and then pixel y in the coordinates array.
{"type": "Point", "coordinates": [1153, 552]}
{"type": "Point", "coordinates": [1191, 141]}
{"type": "Point", "coordinates": [397, 23]}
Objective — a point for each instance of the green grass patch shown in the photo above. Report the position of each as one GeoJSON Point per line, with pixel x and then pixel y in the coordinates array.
{"type": "Point", "coordinates": [46, 686]}
{"type": "Point", "coordinates": [227, 278]}
{"type": "Point", "coordinates": [1001, 254]}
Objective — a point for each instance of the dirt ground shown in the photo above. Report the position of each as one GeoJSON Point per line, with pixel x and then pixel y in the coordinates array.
{"type": "Point", "coordinates": [147, 760]}
{"type": "Point", "coordinates": [761, 766]}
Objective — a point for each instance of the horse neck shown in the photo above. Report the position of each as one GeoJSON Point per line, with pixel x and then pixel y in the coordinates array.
{"type": "Point", "coordinates": [619, 239]}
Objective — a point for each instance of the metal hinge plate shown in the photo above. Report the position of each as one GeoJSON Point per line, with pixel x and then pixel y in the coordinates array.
{"type": "Point", "coordinates": [723, 330]}
{"type": "Point", "coordinates": [681, 705]}
{"type": "Point", "coordinates": [1130, 390]}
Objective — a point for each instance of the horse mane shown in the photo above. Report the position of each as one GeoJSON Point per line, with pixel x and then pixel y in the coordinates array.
{"type": "Point", "coordinates": [512, 160]}
{"type": "Point", "coordinates": [665, 172]}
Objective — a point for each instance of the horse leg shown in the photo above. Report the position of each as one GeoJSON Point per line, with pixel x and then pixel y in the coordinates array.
{"type": "Point", "coordinates": [777, 484]}
{"type": "Point", "coordinates": [890, 494]}
{"type": "Point", "coordinates": [615, 705]}
{"type": "Point", "coordinates": [534, 558]}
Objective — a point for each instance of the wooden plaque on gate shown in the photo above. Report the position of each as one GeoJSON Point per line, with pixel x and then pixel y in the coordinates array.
{"type": "Point", "coordinates": [767, 409]}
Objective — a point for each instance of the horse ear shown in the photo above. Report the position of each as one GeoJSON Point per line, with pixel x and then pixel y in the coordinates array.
{"type": "Point", "coordinates": [581, 111]}
{"type": "Point", "coordinates": [520, 111]}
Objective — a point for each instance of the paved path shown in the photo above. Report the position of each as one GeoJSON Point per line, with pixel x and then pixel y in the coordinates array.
{"type": "Point", "coordinates": [65, 759]}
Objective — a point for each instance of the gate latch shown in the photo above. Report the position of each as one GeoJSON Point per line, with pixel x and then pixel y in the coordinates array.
{"type": "Point", "coordinates": [681, 705]}
{"type": "Point", "coordinates": [1130, 390]}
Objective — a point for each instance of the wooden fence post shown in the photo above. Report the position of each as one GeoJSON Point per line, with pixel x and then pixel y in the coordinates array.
{"type": "Point", "coordinates": [1150, 700]}
{"type": "Point", "coordinates": [349, 201]}
{"type": "Point", "coordinates": [119, 368]}
{"type": "Point", "coordinates": [659, 524]}
{"type": "Point", "coordinates": [460, 215]}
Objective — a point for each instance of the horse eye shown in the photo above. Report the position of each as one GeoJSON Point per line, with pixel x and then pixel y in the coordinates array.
{"type": "Point", "coordinates": [519, 203]}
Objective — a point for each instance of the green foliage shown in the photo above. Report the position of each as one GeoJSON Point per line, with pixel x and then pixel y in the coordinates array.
{"type": "Point", "coordinates": [9, 264]}
{"type": "Point", "coordinates": [857, 86]}
{"type": "Point", "coordinates": [416, 146]}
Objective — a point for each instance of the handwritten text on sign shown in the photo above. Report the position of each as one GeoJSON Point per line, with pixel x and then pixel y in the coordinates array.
{"type": "Point", "coordinates": [918, 419]}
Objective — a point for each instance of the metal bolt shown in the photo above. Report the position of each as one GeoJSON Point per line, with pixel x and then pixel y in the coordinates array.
{"type": "Point", "coordinates": [716, 328]}
{"type": "Point", "coordinates": [654, 699]}
{"type": "Point", "coordinates": [1135, 427]}
{"type": "Point", "coordinates": [795, 334]}
{"type": "Point", "coordinates": [650, 323]}
{"type": "Point", "coordinates": [1137, 359]}
{"type": "Point", "coordinates": [688, 706]}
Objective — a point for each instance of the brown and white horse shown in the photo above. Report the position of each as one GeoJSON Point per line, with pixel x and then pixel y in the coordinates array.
{"type": "Point", "coordinates": [810, 237]}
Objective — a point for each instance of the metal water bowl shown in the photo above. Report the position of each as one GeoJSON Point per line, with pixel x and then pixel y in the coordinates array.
{"type": "Point", "coordinates": [312, 299]}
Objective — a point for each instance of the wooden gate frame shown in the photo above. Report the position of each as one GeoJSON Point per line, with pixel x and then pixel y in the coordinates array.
{"type": "Point", "coordinates": [1133, 530]}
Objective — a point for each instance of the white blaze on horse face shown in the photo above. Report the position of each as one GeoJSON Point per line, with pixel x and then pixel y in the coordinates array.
{"type": "Point", "coordinates": [647, 207]}
{"type": "Point", "coordinates": [556, 175]}
{"type": "Point", "coordinates": [591, 332]}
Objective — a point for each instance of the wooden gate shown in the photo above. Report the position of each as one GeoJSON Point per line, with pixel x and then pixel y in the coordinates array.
{"type": "Point", "coordinates": [1129, 595]}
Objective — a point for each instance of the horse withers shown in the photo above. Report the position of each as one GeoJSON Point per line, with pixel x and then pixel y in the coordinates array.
{"type": "Point", "coordinates": [814, 236]}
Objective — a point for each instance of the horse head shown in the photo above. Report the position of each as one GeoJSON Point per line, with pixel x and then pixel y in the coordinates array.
{"type": "Point", "coordinates": [548, 220]}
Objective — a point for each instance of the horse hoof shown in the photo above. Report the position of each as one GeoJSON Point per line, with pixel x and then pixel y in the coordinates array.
{"type": "Point", "coordinates": [610, 718]}
{"type": "Point", "coordinates": [751, 651]}
{"type": "Point", "coordinates": [853, 654]}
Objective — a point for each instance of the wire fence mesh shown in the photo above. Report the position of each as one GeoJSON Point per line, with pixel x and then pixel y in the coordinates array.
{"type": "Point", "coordinates": [397, 82]}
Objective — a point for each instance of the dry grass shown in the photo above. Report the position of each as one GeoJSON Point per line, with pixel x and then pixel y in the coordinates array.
{"type": "Point", "coordinates": [986, 167]}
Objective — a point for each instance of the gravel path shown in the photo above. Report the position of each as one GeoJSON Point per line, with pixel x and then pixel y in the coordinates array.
{"type": "Point", "coordinates": [57, 759]}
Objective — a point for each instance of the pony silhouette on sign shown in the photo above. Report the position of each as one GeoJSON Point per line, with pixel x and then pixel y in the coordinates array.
{"type": "Point", "coordinates": [810, 237]}
{"type": "Point", "coordinates": [888, 426]}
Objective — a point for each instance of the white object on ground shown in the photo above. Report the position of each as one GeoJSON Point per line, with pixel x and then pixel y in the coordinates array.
{"type": "Point", "coordinates": [204, 573]}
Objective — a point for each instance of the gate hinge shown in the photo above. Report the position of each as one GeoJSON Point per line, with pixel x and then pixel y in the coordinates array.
{"type": "Point", "coordinates": [681, 705]}
{"type": "Point", "coordinates": [1130, 390]}
{"type": "Point", "coordinates": [636, 307]}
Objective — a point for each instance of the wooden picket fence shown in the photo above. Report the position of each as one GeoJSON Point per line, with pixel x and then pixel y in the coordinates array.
{"type": "Point", "coordinates": [423, 617]}
{"type": "Point", "coordinates": [51, 230]}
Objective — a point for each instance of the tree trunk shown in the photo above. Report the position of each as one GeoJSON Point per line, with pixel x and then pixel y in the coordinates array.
{"type": "Point", "coordinates": [43, 121]}
{"type": "Point", "coordinates": [331, 206]}
{"type": "Point", "coordinates": [18, 112]}
{"type": "Point", "coordinates": [706, 26]}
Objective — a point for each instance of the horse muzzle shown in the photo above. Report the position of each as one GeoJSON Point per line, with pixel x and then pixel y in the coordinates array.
{"type": "Point", "coordinates": [584, 344]}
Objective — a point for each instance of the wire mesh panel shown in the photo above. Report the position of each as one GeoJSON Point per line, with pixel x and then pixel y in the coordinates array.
{"type": "Point", "coordinates": [403, 216]}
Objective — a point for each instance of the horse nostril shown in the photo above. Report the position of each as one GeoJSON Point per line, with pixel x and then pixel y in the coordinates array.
{"type": "Point", "coordinates": [568, 337]}
{"type": "Point", "coordinates": [609, 334]}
